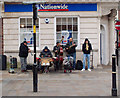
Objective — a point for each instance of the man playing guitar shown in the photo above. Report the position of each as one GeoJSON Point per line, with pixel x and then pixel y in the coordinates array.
{"type": "Point", "coordinates": [71, 50]}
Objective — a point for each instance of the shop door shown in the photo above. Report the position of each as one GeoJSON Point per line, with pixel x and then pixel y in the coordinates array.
{"type": "Point", "coordinates": [102, 45]}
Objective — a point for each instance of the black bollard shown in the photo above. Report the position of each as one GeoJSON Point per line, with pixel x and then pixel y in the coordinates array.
{"type": "Point", "coordinates": [117, 56]}
{"type": "Point", "coordinates": [114, 89]}
{"type": "Point", "coordinates": [35, 78]}
{"type": "Point", "coordinates": [118, 71]}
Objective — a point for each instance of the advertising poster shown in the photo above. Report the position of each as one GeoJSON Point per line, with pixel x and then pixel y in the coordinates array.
{"type": "Point", "coordinates": [66, 35]}
{"type": "Point", "coordinates": [28, 38]}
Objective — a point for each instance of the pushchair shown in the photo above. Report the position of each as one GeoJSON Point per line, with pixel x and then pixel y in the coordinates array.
{"type": "Point", "coordinates": [68, 64]}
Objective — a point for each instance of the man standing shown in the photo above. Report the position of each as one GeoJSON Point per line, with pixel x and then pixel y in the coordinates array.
{"type": "Point", "coordinates": [86, 48]}
{"type": "Point", "coordinates": [71, 50]}
{"type": "Point", "coordinates": [56, 49]}
{"type": "Point", "coordinates": [23, 54]}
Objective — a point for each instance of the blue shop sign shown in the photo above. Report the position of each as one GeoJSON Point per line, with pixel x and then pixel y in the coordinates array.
{"type": "Point", "coordinates": [50, 7]}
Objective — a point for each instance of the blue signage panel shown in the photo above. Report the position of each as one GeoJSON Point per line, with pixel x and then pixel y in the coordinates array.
{"type": "Point", "coordinates": [51, 7]}
{"type": "Point", "coordinates": [17, 8]}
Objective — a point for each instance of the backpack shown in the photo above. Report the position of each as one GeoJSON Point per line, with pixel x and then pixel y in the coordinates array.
{"type": "Point", "coordinates": [29, 67]}
{"type": "Point", "coordinates": [79, 65]}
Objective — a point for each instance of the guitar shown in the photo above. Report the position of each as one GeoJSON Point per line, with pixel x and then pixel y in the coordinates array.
{"type": "Point", "coordinates": [73, 45]}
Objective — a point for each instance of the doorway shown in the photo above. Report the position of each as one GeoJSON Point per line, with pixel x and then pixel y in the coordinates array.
{"type": "Point", "coordinates": [102, 44]}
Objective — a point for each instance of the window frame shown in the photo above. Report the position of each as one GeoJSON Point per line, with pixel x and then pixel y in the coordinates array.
{"type": "Point", "coordinates": [78, 20]}
{"type": "Point", "coordinates": [32, 48]}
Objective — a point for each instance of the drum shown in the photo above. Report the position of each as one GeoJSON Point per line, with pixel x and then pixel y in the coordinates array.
{"type": "Point", "coordinates": [46, 61]}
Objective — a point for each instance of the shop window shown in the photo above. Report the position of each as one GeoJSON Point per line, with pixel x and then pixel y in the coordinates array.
{"type": "Point", "coordinates": [26, 31]}
{"type": "Point", "coordinates": [68, 25]}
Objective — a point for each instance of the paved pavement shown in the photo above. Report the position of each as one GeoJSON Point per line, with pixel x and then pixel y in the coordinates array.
{"type": "Point", "coordinates": [94, 83]}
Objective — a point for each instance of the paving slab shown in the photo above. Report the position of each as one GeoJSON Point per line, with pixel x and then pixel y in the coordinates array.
{"type": "Point", "coordinates": [98, 82]}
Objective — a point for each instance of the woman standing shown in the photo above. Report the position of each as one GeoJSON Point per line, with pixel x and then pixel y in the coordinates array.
{"type": "Point", "coordinates": [86, 48]}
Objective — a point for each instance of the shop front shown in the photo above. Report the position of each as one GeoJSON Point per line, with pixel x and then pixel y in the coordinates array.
{"type": "Point", "coordinates": [77, 20]}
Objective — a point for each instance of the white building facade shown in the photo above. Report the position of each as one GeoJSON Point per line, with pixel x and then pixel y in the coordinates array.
{"type": "Point", "coordinates": [92, 19]}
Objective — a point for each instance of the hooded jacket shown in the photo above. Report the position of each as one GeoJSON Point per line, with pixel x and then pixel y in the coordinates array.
{"type": "Point", "coordinates": [84, 47]}
{"type": "Point", "coordinates": [23, 50]}
{"type": "Point", "coordinates": [45, 53]}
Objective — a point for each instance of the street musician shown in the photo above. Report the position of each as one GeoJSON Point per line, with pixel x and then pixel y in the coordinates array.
{"type": "Point", "coordinates": [71, 50]}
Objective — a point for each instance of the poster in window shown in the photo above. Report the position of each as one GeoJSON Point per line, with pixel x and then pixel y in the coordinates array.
{"type": "Point", "coordinates": [66, 35]}
{"type": "Point", "coordinates": [28, 38]}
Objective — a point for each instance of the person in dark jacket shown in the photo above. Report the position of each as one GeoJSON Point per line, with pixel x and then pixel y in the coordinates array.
{"type": "Point", "coordinates": [56, 49]}
{"type": "Point", "coordinates": [23, 54]}
{"type": "Point", "coordinates": [86, 48]}
{"type": "Point", "coordinates": [71, 50]}
{"type": "Point", "coordinates": [46, 53]}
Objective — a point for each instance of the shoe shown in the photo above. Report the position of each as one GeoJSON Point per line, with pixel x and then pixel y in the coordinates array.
{"type": "Point", "coordinates": [83, 70]}
{"type": "Point", "coordinates": [26, 71]}
{"type": "Point", "coordinates": [70, 71]}
{"type": "Point", "coordinates": [73, 68]}
{"type": "Point", "coordinates": [65, 71]}
{"type": "Point", "coordinates": [22, 70]}
{"type": "Point", "coordinates": [89, 69]}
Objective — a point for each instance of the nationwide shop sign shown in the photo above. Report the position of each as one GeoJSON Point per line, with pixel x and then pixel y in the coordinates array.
{"type": "Point", "coordinates": [51, 7]}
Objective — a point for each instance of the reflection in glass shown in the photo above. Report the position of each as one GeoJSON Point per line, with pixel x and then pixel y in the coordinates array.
{"type": "Point", "coordinates": [58, 28]}
{"type": "Point", "coordinates": [69, 24]}
{"type": "Point", "coordinates": [75, 28]}
{"type": "Point", "coordinates": [26, 31]}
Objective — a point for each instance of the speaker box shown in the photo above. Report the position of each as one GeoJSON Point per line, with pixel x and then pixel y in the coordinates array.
{"type": "Point", "coordinates": [14, 62]}
{"type": "Point", "coordinates": [29, 67]}
{"type": "Point", "coordinates": [3, 62]}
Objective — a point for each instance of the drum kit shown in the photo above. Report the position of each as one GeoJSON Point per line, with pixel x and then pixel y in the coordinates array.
{"type": "Point", "coordinates": [46, 61]}
{"type": "Point", "coordinates": [44, 64]}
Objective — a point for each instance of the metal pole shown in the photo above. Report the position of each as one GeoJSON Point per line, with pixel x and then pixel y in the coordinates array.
{"type": "Point", "coordinates": [114, 89]}
{"type": "Point", "coordinates": [117, 46]}
{"type": "Point", "coordinates": [35, 77]}
{"type": "Point", "coordinates": [118, 71]}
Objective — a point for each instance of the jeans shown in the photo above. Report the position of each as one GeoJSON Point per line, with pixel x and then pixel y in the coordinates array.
{"type": "Point", "coordinates": [84, 60]}
{"type": "Point", "coordinates": [74, 59]}
{"type": "Point", "coordinates": [23, 61]}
